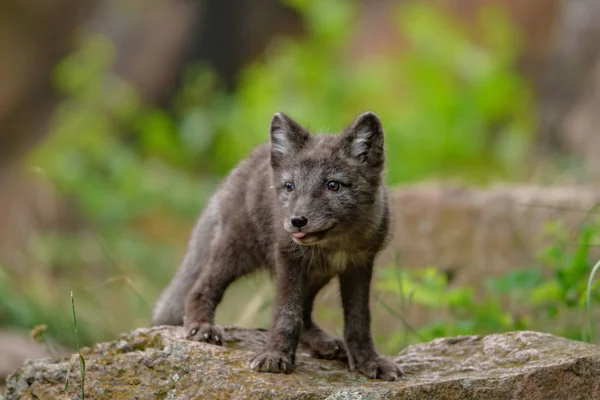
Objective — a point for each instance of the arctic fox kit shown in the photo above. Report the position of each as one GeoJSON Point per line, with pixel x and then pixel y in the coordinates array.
{"type": "Point", "coordinates": [307, 208]}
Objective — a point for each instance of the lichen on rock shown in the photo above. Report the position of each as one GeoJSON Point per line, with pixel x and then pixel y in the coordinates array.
{"type": "Point", "coordinates": [156, 363]}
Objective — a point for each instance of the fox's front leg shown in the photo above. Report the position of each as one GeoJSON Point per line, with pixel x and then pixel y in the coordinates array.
{"type": "Point", "coordinates": [355, 284]}
{"type": "Point", "coordinates": [279, 354]}
{"type": "Point", "coordinates": [201, 302]}
{"type": "Point", "coordinates": [226, 264]}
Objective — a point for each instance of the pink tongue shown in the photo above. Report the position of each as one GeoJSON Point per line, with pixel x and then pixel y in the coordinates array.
{"type": "Point", "coordinates": [298, 235]}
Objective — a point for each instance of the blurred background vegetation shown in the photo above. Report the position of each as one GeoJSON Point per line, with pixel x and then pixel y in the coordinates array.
{"type": "Point", "coordinates": [120, 117]}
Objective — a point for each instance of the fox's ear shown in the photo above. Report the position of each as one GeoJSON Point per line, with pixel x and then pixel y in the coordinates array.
{"type": "Point", "coordinates": [287, 138]}
{"type": "Point", "coordinates": [364, 139]}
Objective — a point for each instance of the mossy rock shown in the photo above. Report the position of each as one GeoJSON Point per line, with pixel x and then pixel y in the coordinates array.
{"type": "Point", "coordinates": [155, 363]}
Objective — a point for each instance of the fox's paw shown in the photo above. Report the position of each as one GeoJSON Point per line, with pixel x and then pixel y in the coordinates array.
{"type": "Point", "coordinates": [204, 332]}
{"type": "Point", "coordinates": [324, 345]}
{"type": "Point", "coordinates": [272, 361]}
{"type": "Point", "coordinates": [380, 368]}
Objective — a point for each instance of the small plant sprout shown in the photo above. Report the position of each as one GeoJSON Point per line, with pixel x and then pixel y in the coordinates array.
{"type": "Point", "coordinates": [588, 297]}
{"type": "Point", "coordinates": [75, 356]}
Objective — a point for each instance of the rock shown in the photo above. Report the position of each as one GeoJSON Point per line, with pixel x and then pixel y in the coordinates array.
{"type": "Point", "coordinates": [473, 234]}
{"type": "Point", "coordinates": [154, 363]}
{"type": "Point", "coordinates": [476, 233]}
{"type": "Point", "coordinates": [16, 347]}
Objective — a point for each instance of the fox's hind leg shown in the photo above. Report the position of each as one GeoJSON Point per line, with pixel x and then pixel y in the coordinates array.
{"type": "Point", "coordinates": [320, 343]}
{"type": "Point", "coordinates": [226, 264]}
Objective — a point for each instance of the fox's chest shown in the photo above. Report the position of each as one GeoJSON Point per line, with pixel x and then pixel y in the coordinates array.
{"type": "Point", "coordinates": [337, 261]}
{"type": "Point", "coordinates": [333, 261]}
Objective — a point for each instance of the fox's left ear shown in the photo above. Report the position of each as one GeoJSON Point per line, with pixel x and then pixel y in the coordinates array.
{"type": "Point", "coordinates": [364, 139]}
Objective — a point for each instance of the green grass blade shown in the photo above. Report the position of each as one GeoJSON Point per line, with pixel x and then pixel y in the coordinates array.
{"type": "Point", "coordinates": [588, 301]}
{"type": "Point", "coordinates": [81, 359]}
{"type": "Point", "coordinates": [75, 322]}
{"type": "Point", "coordinates": [82, 363]}
{"type": "Point", "coordinates": [71, 361]}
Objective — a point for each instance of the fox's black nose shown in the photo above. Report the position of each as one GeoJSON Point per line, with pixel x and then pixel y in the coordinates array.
{"type": "Point", "coordinates": [299, 222]}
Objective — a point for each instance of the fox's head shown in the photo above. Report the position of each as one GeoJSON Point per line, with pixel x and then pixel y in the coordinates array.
{"type": "Point", "coordinates": [327, 185]}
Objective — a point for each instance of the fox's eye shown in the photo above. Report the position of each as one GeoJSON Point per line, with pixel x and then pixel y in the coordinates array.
{"type": "Point", "coordinates": [333, 186]}
{"type": "Point", "coordinates": [289, 186]}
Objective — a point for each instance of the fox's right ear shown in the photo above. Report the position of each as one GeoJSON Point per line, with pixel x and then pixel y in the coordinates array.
{"type": "Point", "coordinates": [287, 138]}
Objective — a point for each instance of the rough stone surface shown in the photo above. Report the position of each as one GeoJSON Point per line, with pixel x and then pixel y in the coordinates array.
{"type": "Point", "coordinates": [16, 347]}
{"type": "Point", "coordinates": [475, 233]}
{"type": "Point", "coordinates": [155, 363]}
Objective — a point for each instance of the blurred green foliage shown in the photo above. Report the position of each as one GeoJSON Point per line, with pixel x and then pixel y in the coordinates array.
{"type": "Point", "coordinates": [137, 176]}
{"type": "Point", "coordinates": [451, 107]}
{"type": "Point", "coordinates": [548, 297]}
{"type": "Point", "coordinates": [120, 165]}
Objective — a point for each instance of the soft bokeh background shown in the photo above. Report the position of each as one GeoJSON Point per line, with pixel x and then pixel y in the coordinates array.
{"type": "Point", "coordinates": [119, 117]}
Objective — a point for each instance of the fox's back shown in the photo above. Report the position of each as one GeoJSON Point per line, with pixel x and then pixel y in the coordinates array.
{"type": "Point", "coordinates": [244, 206]}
